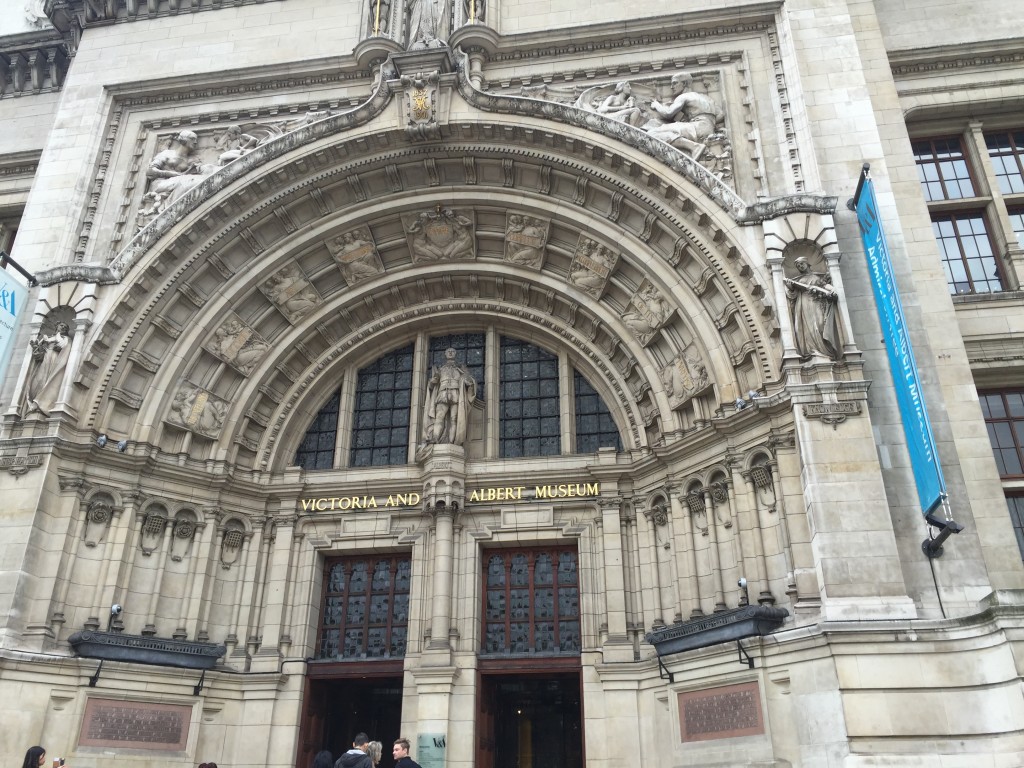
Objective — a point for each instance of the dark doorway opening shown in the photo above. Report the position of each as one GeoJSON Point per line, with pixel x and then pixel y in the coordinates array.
{"type": "Point", "coordinates": [336, 709]}
{"type": "Point", "coordinates": [530, 721]}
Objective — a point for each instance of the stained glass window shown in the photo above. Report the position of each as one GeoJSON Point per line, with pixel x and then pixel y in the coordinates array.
{"type": "Point", "coordinates": [531, 602]}
{"type": "Point", "coordinates": [595, 427]}
{"type": "Point", "coordinates": [380, 418]}
{"type": "Point", "coordinates": [529, 403]}
{"type": "Point", "coordinates": [317, 448]}
{"type": "Point", "coordinates": [366, 608]}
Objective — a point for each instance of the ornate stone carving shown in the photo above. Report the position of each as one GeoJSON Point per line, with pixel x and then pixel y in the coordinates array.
{"type": "Point", "coordinates": [356, 255]}
{"type": "Point", "coordinates": [684, 378]}
{"type": "Point", "coordinates": [834, 413]}
{"type": "Point", "coordinates": [474, 11]}
{"type": "Point", "coordinates": [688, 120]}
{"type": "Point", "coordinates": [647, 312]}
{"type": "Point", "coordinates": [231, 547]}
{"type": "Point", "coordinates": [184, 532]}
{"type": "Point", "coordinates": [592, 265]}
{"type": "Point", "coordinates": [290, 291]}
{"type": "Point", "coordinates": [197, 410]}
{"type": "Point", "coordinates": [525, 240]}
{"type": "Point", "coordinates": [420, 106]}
{"type": "Point", "coordinates": [97, 520]}
{"type": "Point", "coordinates": [450, 393]}
{"type": "Point", "coordinates": [426, 24]}
{"type": "Point", "coordinates": [152, 531]}
{"type": "Point", "coordinates": [50, 353]}
{"type": "Point", "coordinates": [812, 303]}
{"type": "Point", "coordinates": [440, 235]}
{"type": "Point", "coordinates": [238, 345]}
{"type": "Point", "coordinates": [379, 18]}
{"type": "Point", "coordinates": [618, 102]}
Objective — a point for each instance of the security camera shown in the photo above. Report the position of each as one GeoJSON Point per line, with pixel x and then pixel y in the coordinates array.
{"type": "Point", "coordinates": [742, 583]}
{"type": "Point", "coordinates": [115, 609]}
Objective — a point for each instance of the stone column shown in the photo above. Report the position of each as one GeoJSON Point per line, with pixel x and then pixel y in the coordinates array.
{"type": "Point", "coordinates": [275, 593]}
{"type": "Point", "coordinates": [716, 556]}
{"type": "Point", "coordinates": [617, 646]}
{"type": "Point", "coordinates": [440, 607]}
{"type": "Point", "coordinates": [161, 567]}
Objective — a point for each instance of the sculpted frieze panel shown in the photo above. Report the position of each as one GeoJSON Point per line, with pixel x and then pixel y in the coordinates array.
{"type": "Point", "coordinates": [592, 266]}
{"type": "Point", "coordinates": [356, 255]}
{"type": "Point", "coordinates": [526, 238]}
{"type": "Point", "coordinates": [238, 345]}
{"type": "Point", "coordinates": [441, 235]}
{"type": "Point", "coordinates": [197, 410]}
{"type": "Point", "coordinates": [291, 292]}
{"type": "Point", "coordinates": [685, 377]}
{"type": "Point", "coordinates": [647, 312]}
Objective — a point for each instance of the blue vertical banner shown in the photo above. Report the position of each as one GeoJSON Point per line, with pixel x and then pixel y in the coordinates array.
{"type": "Point", "coordinates": [13, 302]}
{"type": "Point", "coordinates": [924, 458]}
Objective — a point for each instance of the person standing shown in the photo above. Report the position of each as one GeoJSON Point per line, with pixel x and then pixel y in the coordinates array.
{"type": "Point", "coordinates": [401, 754]}
{"type": "Point", "coordinates": [356, 757]}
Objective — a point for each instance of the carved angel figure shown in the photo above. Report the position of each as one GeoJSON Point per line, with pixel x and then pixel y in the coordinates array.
{"type": "Point", "coordinates": [356, 255]}
{"type": "Point", "coordinates": [591, 267]}
{"type": "Point", "coordinates": [443, 235]}
{"type": "Point", "coordinates": [647, 312]}
{"type": "Point", "coordinates": [525, 238]}
{"type": "Point", "coordinates": [291, 292]}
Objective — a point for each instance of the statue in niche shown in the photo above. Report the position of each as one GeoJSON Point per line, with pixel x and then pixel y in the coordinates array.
{"type": "Point", "coordinates": [356, 255]}
{"type": "Point", "coordinates": [380, 18]}
{"type": "Point", "coordinates": [688, 120]}
{"type": "Point", "coordinates": [427, 24]}
{"type": "Point", "coordinates": [177, 169]}
{"type": "Point", "coordinates": [591, 266]}
{"type": "Point", "coordinates": [474, 11]}
{"type": "Point", "coordinates": [441, 235]}
{"type": "Point", "coordinates": [450, 393]}
{"type": "Point", "coordinates": [50, 353]}
{"type": "Point", "coordinates": [525, 239]}
{"type": "Point", "coordinates": [683, 378]}
{"type": "Point", "coordinates": [812, 301]}
{"type": "Point", "coordinates": [238, 345]}
{"type": "Point", "coordinates": [290, 291]}
{"type": "Point", "coordinates": [647, 312]}
{"type": "Point", "coordinates": [197, 410]}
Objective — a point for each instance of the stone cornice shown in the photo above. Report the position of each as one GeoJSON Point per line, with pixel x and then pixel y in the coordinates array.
{"type": "Point", "coordinates": [96, 12]}
{"type": "Point", "coordinates": [962, 56]}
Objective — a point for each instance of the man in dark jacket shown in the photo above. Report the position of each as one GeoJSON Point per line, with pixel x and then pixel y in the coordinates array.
{"type": "Point", "coordinates": [356, 757]}
{"type": "Point", "coordinates": [401, 755]}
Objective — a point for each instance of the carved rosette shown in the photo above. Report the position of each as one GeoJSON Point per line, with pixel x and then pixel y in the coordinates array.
{"type": "Point", "coordinates": [97, 521]}
{"type": "Point", "coordinates": [356, 255]}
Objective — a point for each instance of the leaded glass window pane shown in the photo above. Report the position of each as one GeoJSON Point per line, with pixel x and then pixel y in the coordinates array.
{"type": "Point", "coordinates": [942, 169]}
{"type": "Point", "coordinates": [470, 349]}
{"type": "Point", "coordinates": [530, 609]}
{"type": "Point", "coordinates": [967, 254]}
{"type": "Point", "coordinates": [1004, 417]}
{"type": "Point", "coordinates": [316, 451]}
{"type": "Point", "coordinates": [1006, 151]}
{"type": "Point", "coordinates": [595, 427]}
{"type": "Point", "coordinates": [380, 420]}
{"type": "Point", "coordinates": [366, 608]}
{"type": "Point", "coordinates": [1017, 221]}
{"type": "Point", "coordinates": [1016, 505]}
{"type": "Point", "coordinates": [528, 403]}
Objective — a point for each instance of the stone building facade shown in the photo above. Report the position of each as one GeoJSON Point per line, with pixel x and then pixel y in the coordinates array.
{"type": "Point", "coordinates": [507, 376]}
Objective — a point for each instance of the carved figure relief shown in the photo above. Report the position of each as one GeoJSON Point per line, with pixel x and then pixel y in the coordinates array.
{"type": "Point", "coordinates": [450, 393]}
{"type": "Point", "coordinates": [50, 353]}
{"type": "Point", "coordinates": [474, 11]}
{"type": "Point", "coordinates": [646, 313]}
{"type": "Point", "coordinates": [290, 291]}
{"type": "Point", "coordinates": [189, 158]}
{"type": "Point", "coordinates": [197, 410]}
{"type": "Point", "coordinates": [812, 302]}
{"type": "Point", "coordinates": [684, 378]}
{"type": "Point", "coordinates": [356, 255]}
{"type": "Point", "coordinates": [440, 235]}
{"type": "Point", "coordinates": [618, 102]}
{"type": "Point", "coordinates": [592, 265]}
{"type": "Point", "coordinates": [238, 345]}
{"type": "Point", "coordinates": [686, 121]}
{"type": "Point", "coordinates": [525, 240]}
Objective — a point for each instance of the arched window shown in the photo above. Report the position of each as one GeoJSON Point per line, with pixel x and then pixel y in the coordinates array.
{"type": "Point", "coordinates": [524, 400]}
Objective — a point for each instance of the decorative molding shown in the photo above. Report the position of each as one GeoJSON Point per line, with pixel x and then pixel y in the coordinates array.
{"type": "Point", "coordinates": [832, 413]}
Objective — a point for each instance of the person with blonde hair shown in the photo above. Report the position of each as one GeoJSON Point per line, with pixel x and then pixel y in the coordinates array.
{"type": "Point", "coordinates": [375, 749]}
